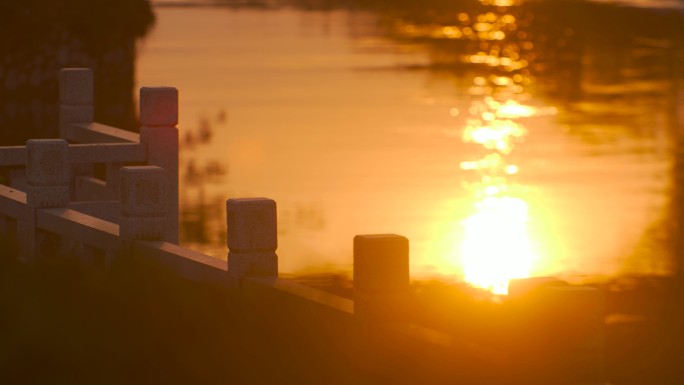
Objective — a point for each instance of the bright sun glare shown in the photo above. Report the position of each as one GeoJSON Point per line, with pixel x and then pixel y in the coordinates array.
{"type": "Point", "coordinates": [497, 246]}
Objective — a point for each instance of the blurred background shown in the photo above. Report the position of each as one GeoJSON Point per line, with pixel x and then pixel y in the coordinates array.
{"type": "Point", "coordinates": [504, 139]}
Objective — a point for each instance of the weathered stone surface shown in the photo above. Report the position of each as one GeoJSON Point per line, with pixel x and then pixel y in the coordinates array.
{"type": "Point", "coordinates": [47, 162]}
{"type": "Point", "coordinates": [158, 106]}
{"type": "Point", "coordinates": [143, 228]}
{"type": "Point", "coordinates": [381, 264]}
{"type": "Point", "coordinates": [84, 155]}
{"type": "Point", "coordinates": [47, 196]}
{"type": "Point", "coordinates": [162, 150]}
{"type": "Point", "coordinates": [144, 191]}
{"type": "Point", "coordinates": [241, 265]}
{"type": "Point", "coordinates": [69, 114]}
{"type": "Point", "coordinates": [162, 146]}
{"type": "Point", "coordinates": [76, 86]}
{"type": "Point", "coordinates": [252, 225]}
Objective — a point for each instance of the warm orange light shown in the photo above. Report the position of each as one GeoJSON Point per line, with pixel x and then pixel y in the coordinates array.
{"type": "Point", "coordinates": [501, 3]}
{"type": "Point", "coordinates": [482, 27]}
{"type": "Point", "coordinates": [512, 169]}
{"type": "Point", "coordinates": [497, 35]}
{"type": "Point", "coordinates": [452, 32]}
{"type": "Point", "coordinates": [496, 135]}
{"type": "Point", "coordinates": [497, 246]}
{"type": "Point", "coordinates": [513, 109]}
{"type": "Point", "coordinates": [510, 63]}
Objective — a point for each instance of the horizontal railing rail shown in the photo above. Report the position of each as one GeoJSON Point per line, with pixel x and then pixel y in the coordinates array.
{"type": "Point", "coordinates": [83, 228]}
{"type": "Point", "coordinates": [83, 153]}
{"type": "Point", "coordinates": [94, 132]}
{"type": "Point", "coordinates": [12, 201]}
{"type": "Point", "coordinates": [107, 153]}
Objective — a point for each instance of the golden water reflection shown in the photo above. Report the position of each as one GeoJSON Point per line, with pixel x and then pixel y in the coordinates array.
{"type": "Point", "coordinates": [497, 245]}
{"type": "Point", "coordinates": [496, 158]}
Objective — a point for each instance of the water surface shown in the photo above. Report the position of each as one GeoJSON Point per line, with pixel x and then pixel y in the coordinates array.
{"type": "Point", "coordinates": [501, 142]}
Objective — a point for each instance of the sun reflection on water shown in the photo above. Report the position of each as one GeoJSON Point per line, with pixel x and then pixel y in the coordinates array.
{"type": "Point", "coordinates": [493, 244]}
{"type": "Point", "coordinates": [497, 245]}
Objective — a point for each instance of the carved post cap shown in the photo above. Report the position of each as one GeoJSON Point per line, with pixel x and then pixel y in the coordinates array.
{"type": "Point", "coordinates": [381, 264]}
{"type": "Point", "coordinates": [76, 86]}
{"type": "Point", "coordinates": [158, 106]}
{"type": "Point", "coordinates": [251, 225]}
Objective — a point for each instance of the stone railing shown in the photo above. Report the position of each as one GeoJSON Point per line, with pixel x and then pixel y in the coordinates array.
{"type": "Point", "coordinates": [132, 213]}
{"type": "Point", "coordinates": [92, 153]}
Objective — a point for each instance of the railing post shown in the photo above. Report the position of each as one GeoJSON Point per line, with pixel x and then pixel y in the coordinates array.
{"type": "Point", "coordinates": [144, 193]}
{"type": "Point", "coordinates": [47, 177]}
{"type": "Point", "coordinates": [75, 98]}
{"type": "Point", "coordinates": [76, 105]}
{"type": "Point", "coordinates": [556, 331]}
{"type": "Point", "coordinates": [252, 238]}
{"type": "Point", "coordinates": [159, 117]}
{"type": "Point", "coordinates": [381, 277]}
